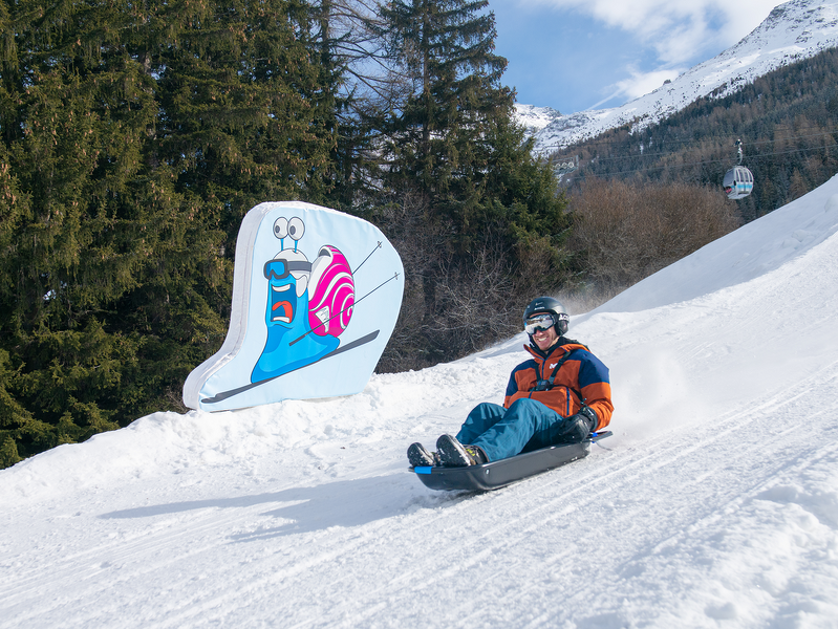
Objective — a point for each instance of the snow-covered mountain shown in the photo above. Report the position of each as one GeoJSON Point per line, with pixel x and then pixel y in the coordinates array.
{"type": "Point", "coordinates": [715, 503]}
{"type": "Point", "coordinates": [533, 118]}
{"type": "Point", "coordinates": [795, 30]}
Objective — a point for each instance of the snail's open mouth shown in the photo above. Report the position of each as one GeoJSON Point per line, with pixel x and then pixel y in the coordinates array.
{"type": "Point", "coordinates": [282, 309]}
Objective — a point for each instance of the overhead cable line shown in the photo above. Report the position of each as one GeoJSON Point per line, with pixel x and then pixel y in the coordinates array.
{"type": "Point", "coordinates": [664, 166]}
{"type": "Point", "coordinates": [582, 145]}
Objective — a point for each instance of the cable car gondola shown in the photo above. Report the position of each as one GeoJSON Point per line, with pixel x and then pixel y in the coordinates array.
{"type": "Point", "coordinates": [738, 181]}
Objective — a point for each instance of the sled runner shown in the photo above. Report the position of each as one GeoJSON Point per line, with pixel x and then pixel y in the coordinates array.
{"type": "Point", "coordinates": [497, 474]}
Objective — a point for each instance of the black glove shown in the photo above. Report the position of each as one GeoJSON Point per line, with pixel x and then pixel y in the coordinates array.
{"type": "Point", "coordinates": [577, 427]}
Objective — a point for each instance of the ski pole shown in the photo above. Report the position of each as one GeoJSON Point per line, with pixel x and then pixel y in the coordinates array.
{"type": "Point", "coordinates": [395, 276]}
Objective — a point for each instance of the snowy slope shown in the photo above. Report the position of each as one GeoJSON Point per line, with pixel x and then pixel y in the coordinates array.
{"type": "Point", "coordinates": [795, 30]}
{"type": "Point", "coordinates": [533, 118]}
{"type": "Point", "coordinates": [715, 504]}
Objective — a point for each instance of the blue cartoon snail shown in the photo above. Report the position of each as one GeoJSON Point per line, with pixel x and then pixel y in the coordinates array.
{"type": "Point", "coordinates": [301, 330]}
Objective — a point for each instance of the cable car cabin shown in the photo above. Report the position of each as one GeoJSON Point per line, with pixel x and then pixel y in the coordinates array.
{"type": "Point", "coordinates": [738, 182]}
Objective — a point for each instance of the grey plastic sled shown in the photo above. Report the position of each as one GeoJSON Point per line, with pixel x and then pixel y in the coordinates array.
{"type": "Point", "coordinates": [497, 474]}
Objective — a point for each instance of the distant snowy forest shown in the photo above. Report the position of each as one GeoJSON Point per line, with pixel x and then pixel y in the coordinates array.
{"type": "Point", "coordinates": [787, 119]}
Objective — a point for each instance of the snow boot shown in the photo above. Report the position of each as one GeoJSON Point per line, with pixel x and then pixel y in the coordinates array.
{"type": "Point", "coordinates": [454, 454]}
{"type": "Point", "coordinates": [418, 456]}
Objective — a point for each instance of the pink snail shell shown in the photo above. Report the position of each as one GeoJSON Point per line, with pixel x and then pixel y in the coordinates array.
{"type": "Point", "coordinates": [330, 306]}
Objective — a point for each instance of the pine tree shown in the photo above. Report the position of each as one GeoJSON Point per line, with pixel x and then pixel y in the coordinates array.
{"type": "Point", "coordinates": [451, 83]}
{"type": "Point", "coordinates": [134, 139]}
{"type": "Point", "coordinates": [491, 221]}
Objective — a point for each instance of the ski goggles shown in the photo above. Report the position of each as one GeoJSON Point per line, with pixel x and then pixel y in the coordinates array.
{"type": "Point", "coordinates": [279, 269]}
{"type": "Point", "coordinates": [538, 322]}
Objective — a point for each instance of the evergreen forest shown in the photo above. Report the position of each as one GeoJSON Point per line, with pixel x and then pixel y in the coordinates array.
{"type": "Point", "coordinates": [787, 121]}
{"type": "Point", "coordinates": [135, 137]}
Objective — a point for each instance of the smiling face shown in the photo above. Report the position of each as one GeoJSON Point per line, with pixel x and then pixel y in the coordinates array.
{"type": "Point", "coordinates": [541, 326]}
{"type": "Point", "coordinates": [544, 339]}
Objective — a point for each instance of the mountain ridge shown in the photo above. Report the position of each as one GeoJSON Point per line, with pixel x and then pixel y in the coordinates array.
{"type": "Point", "coordinates": [793, 31]}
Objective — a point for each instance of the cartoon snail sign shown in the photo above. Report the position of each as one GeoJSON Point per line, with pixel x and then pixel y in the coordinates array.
{"type": "Point", "coordinates": [316, 294]}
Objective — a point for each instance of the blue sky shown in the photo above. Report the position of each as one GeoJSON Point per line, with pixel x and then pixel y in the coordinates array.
{"type": "Point", "coordinates": [574, 55]}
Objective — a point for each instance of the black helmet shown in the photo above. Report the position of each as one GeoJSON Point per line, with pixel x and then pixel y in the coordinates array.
{"type": "Point", "coordinates": [552, 306]}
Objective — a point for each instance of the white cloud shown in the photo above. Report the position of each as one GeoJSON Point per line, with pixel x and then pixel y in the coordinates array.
{"type": "Point", "coordinates": [643, 83]}
{"type": "Point", "coordinates": [675, 33]}
{"type": "Point", "coordinates": [675, 30]}
{"type": "Point", "coordinates": [638, 84]}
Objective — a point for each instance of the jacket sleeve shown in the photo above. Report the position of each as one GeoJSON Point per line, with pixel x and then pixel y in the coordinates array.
{"type": "Point", "coordinates": [520, 382]}
{"type": "Point", "coordinates": [595, 386]}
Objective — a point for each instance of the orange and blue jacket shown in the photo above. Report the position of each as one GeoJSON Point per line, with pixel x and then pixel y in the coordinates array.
{"type": "Point", "coordinates": [578, 378]}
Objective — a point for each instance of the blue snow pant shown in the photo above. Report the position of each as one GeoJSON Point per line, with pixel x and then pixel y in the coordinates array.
{"type": "Point", "coordinates": [501, 433]}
